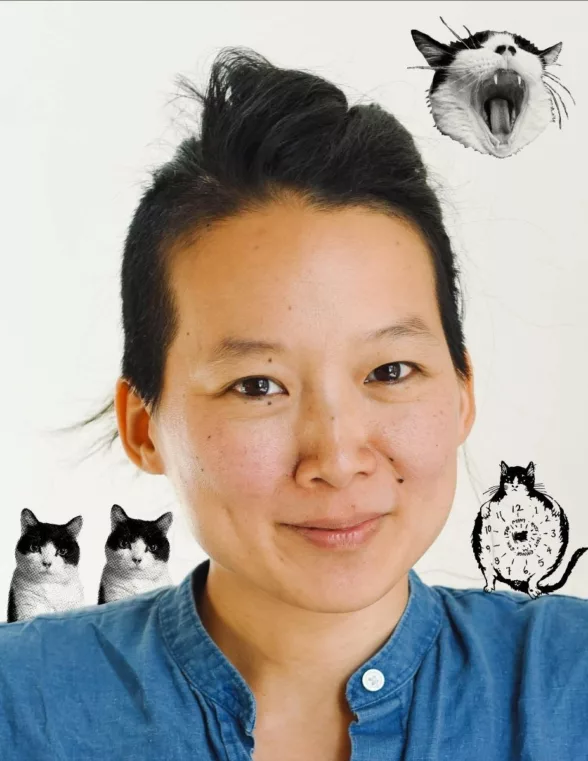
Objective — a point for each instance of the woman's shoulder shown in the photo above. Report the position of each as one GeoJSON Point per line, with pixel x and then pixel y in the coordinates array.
{"type": "Point", "coordinates": [79, 638]}
{"type": "Point", "coordinates": [503, 604]}
{"type": "Point", "coordinates": [64, 677]}
{"type": "Point", "coordinates": [549, 630]}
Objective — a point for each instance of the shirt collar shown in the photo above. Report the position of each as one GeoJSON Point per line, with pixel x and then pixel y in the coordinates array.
{"type": "Point", "coordinates": [212, 674]}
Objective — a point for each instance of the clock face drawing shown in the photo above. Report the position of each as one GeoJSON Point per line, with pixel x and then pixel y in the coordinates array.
{"type": "Point", "coordinates": [522, 536]}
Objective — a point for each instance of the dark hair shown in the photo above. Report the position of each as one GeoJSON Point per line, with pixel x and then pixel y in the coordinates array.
{"type": "Point", "coordinates": [266, 133]}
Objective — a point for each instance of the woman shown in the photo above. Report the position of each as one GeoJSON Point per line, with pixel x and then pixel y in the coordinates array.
{"type": "Point", "coordinates": [294, 363]}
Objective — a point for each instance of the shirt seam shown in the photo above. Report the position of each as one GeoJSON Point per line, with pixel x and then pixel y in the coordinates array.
{"type": "Point", "coordinates": [185, 673]}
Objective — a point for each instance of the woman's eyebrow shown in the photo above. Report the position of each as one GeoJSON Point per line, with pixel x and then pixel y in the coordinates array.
{"type": "Point", "coordinates": [234, 347]}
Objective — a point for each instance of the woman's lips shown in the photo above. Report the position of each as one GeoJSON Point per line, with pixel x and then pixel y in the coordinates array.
{"type": "Point", "coordinates": [344, 538]}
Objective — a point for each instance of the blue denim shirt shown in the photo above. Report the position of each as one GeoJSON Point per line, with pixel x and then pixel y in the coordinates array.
{"type": "Point", "coordinates": [466, 675]}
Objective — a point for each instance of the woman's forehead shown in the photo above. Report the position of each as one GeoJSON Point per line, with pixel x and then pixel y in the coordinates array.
{"type": "Point", "coordinates": [318, 262]}
{"type": "Point", "coordinates": [304, 285]}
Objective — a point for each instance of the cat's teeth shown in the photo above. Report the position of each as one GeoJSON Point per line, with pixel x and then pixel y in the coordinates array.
{"type": "Point", "coordinates": [496, 79]}
{"type": "Point", "coordinates": [519, 80]}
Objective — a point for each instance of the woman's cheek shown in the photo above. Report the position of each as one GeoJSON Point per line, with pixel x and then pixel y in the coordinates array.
{"type": "Point", "coordinates": [426, 441]}
{"type": "Point", "coordinates": [245, 463]}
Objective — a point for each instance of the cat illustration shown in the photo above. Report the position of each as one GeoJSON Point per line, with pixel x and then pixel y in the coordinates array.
{"type": "Point", "coordinates": [137, 553]}
{"type": "Point", "coordinates": [491, 91]}
{"type": "Point", "coordinates": [46, 578]}
{"type": "Point", "coordinates": [521, 534]}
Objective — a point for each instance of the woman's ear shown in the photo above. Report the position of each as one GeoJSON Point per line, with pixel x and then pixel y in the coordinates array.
{"type": "Point", "coordinates": [468, 402]}
{"type": "Point", "coordinates": [133, 420]}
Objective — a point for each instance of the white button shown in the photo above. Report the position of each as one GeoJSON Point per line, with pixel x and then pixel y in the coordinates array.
{"type": "Point", "coordinates": [373, 680]}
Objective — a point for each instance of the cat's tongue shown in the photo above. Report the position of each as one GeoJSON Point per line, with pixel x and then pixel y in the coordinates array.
{"type": "Point", "coordinates": [499, 117]}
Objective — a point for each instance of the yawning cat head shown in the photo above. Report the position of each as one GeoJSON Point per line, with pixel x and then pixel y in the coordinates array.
{"type": "Point", "coordinates": [491, 90]}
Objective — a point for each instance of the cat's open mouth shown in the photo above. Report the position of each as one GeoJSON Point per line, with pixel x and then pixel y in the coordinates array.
{"type": "Point", "coordinates": [500, 101]}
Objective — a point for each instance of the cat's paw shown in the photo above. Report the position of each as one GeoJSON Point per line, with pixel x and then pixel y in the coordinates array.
{"type": "Point", "coordinates": [489, 589]}
{"type": "Point", "coordinates": [534, 593]}
{"type": "Point", "coordinates": [485, 512]}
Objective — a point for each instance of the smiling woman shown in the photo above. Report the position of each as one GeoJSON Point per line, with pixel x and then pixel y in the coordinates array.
{"type": "Point", "coordinates": [294, 364]}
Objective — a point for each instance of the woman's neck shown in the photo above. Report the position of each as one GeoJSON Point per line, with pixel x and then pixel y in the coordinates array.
{"type": "Point", "coordinates": [285, 650]}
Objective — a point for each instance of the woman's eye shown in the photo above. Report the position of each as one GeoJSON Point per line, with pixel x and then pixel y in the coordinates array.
{"type": "Point", "coordinates": [257, 387]}
{"type": "Point", "coordinates": [393, 372]}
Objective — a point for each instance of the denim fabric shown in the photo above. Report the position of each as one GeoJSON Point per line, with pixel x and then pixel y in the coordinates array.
{"type": "Point", "coordinates": [467, 675]}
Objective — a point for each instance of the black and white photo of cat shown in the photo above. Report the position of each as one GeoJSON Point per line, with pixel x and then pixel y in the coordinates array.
{"type": "Point", "coordinates": [492, 91]}
{"type": "Point", "coordinates": [521, 534]}
{"type": "Point", "coordinates": [137, 554]}
{"type": "Point", "coordinates": [46, 578]}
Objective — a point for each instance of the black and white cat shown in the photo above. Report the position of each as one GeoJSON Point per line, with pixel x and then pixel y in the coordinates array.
{"type": "Point", "coordinates": [491, 90]}
{"type": "Point", "coordinates": [46, 578]}
{"type": "Point", "coordinates": [521, 534]}
{"type": "Point", "coordinates": [137, 553]}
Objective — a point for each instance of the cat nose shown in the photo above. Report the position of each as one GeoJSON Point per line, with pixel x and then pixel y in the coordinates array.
{"type": "Point", "coordinates": [502, 48]}
{"type": "Point", "coordinates": [47, 563]}
{"type": "Point", "coordinates": [137, 560]}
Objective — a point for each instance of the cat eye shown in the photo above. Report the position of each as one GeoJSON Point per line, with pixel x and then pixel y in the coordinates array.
{"type": "Point", "coordinates": [261, 382]}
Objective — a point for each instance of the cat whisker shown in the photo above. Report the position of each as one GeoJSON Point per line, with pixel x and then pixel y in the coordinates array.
{"type": "Point", "coordinates": [560, 83]}
{"type": "Point", "coordinates": [428, 68]}
{"type": "Point", "coordinates": [552, 75]}
{"type": "Point", "coordinates": [467, 30]}
{"type": "Point", "coordinates": [561, 100]}
{"type": "Point", "coordinates": [463, 42]}
{"type": "Point", "coordinates": [465, 77]}
{"type": "Point", "coordinates": [554, 101]}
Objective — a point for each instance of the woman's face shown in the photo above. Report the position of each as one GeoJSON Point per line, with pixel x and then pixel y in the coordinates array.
{"type": "Point", "coordinates": [331, 424]}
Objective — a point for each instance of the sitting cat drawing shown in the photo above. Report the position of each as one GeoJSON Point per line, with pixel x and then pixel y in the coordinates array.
{"type": "Point", "coordinates": [491, 91]}
{"type": "Point", "coordinates": [521, 534]}
{"type": "Point", "coordinates": [46, 578]}
{"type": "Point", "coordinates": [137, 553]}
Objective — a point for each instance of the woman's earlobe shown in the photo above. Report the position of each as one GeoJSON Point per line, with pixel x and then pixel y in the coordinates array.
{"type": "Point", "coordinates": [133, 420]}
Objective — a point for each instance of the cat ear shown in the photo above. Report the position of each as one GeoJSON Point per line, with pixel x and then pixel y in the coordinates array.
{"type": "Point", "coordinates": [27, 519]}
{"type": "Point", "coordinates": [503, 468]}
{"type": "Point", "coordinates": [434, 52]}
{"type": "Point", "coordinates": [74, 526]}
{"type": "Point", "coordinates": [531, 470]}
{"type": "Point", "coordinates": [164, 522]}
{"type": "Point", "coordinates": [550, 55]}
{"type": "Point", "coordinates": [117, 515]}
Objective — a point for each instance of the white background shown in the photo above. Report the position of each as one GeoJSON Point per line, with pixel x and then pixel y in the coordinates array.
{"type": "Point", "coordinates": [86, 103]}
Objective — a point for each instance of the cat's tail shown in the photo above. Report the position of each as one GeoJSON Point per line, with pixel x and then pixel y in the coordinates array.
{"type": "Point", "coordinates": [573, 560]}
